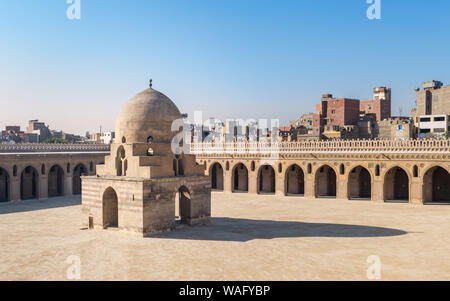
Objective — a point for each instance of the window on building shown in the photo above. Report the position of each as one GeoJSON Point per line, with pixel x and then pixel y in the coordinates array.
{"type": "Point", "coordinates": [442, 118]}
{"type": "Point", "coordinates": [425, 119]}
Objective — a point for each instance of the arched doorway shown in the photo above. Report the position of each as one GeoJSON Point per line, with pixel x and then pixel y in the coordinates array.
{"type": "Point", "coordinates": [325, 182]}
{"type": "Point", "coordinates": [110, 209]}
{"type": "Point", "coordinates": [295, 180]}
{"type": "Point", "coordinates": [266, 179]}
{"type": "Point", "coordinates": [436, 185]}
{"type": "Point", "coordinates": [4, 185]}
{"type": "Point", "coordinates": [240, 178]}
{"type": "Point", "coordinates": [55, 181]}
{"type": "Point", "coordinates": [78, 171]}
{"type": "Point", "coordinates": [216, 176]}
{"type": "Point", "coordinates": [396, 185]}
{"type": "Point", "coordinates": [29, 183]}
{"type": "Point", "coordinates": [359, 184]}
{"type": "Point", "coordinates": [182, 205]}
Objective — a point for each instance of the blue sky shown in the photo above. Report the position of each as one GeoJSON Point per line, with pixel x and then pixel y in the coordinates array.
{"type": "Point", "coordinates": [230, 59]}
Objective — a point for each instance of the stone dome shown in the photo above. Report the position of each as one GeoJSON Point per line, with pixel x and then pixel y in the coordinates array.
{"type": "Point", "coordinates": [148, 114]}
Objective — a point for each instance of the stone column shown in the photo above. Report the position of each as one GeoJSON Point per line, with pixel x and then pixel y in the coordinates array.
{"type": "Point", "coordinates": [15, 189]}
{"type": "Point", "coordinates": [279, 184]}
{"type": "Point", "coordinates": [68, 184]}
{"type": "Point", "coordinates": [378, 191]}
{"type": "Point", "coordinates": [227, 185]}
{"type": "Point", "coordinates": [43, 187]}
{"type": "Point", "coordinates": [341, 189]}
{"type": "Point", "coordinates": [310, 186]}
{"type": "Point", "coordinates": [416, 192]}
{"type": "Point", "coordinates": [253, 182]}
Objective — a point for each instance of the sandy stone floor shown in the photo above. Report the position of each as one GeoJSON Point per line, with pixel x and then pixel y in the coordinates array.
{"type": "Point", "coordinates": [250, 238]}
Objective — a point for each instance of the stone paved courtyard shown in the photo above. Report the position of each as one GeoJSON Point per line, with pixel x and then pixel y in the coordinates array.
{"type": "Point", "coordinates": [250, 238]}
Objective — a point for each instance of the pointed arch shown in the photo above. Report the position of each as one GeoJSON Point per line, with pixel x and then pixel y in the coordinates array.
{"type": "Point", "coordinates": [5, 187]}
{"type": "Point", "coordinates": [359, 183]}
{"type": "Point", "coordinates": [266, 179]}
{"type": "Point", "coordinates": [110, 206]}
{"type": "Point", "coordinates": [396, 185]}
{"type": "Point", "coordinates": [325, 182]}
{"type": "Point", "coordinates": [55, 181]}
{"type": "Point", "coordinates": [294, 180]}
{"type": "Point", "coordinates": [239, 178]}
{"type": "Point", "coordinates": [216, 175]}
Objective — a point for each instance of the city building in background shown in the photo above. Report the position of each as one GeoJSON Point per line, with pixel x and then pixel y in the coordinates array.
{"type": "Point", "coordinates": [40, 129]}
{"type": "Point", "coordinates": [13, 134]}
{"type": "Point", "coordinates": [431, 115]}
{"type": "Point", "coordinates": [380, 106]}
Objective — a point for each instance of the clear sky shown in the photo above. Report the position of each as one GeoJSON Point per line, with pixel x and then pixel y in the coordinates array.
{"type": "Point", "coordinates": [228, 58]}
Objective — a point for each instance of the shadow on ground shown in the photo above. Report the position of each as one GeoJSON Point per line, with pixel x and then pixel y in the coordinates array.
{"type": "Point", "coordinates": [33, 205]}
{"type": "Point", "coordinates": [243, 230]}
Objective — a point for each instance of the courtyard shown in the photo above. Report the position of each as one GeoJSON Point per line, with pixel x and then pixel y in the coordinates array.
{"type": "Point", "coordinates": [251, 237]}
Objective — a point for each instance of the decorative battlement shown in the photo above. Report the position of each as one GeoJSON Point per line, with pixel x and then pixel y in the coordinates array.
{"type": "Point", "coordinates": [335, 146]}
{"type": "Point", "coordinates": [39, 148]}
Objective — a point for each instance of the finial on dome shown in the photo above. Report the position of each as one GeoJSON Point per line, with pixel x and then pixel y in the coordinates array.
{"type": "Point", "coordinates": [151, 83]}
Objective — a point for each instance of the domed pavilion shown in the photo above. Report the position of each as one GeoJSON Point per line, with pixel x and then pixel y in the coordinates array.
{"type": "Point", "coordinates": [143, 187]}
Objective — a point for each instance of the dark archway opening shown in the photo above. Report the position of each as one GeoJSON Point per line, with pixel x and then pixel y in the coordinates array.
{"type": "Point", "coordinates": [4, 186]}
{"type": "Point", "coordinates": [436, 187]}
{"type": "Point", "coordinates": [55, 181]}
{"type": "Point", "coordinates": [217, 177]}
{"type": "Point", "coordinates": [78, 172]}
{"type": "Point", "coordinates": [396, 185]}
{"type": "Point", "coordinates": [359, 184]}
{"type": "Point", "coordinates": [29, 183]}
{"type": "Point", "coordinates": [295, 180]}
{"type": "Point", "coordinates": [110, 209]}
{"type": "Point", "coordinates": [240, 178]}
{"type": "Point", "coordinates": [266, 176]}
{"type": "Point", "coordinates": [182, 205]}
{"type": "Point", "coordinates": [325, 182]}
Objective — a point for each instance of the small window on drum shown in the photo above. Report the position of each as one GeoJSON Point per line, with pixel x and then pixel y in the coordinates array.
{"type": "Point", "coordinates": [150, 139]}
{"type": "Point", "coordinates": [150, 152]}
{"type": "Point", "coordinates": [124, 140]}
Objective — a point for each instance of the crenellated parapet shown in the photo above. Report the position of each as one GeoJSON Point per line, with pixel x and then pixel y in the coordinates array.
{"type": "Point", "coordinates": [50, 148]}
{"type": "Point", "coordinates": [335, 146]}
